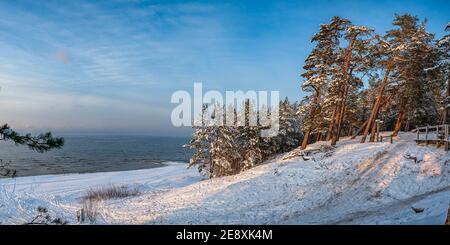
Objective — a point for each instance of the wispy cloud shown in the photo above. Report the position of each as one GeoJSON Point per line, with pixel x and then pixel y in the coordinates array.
{"type": "Point", "coordinates": [110, 44]}
{"type": "Point", "coordinates": [81, 55]}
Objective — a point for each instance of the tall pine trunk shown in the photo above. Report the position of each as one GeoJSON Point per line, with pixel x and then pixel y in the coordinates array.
{"type": "Point", "coordinates": [343, 93]}
{"type": "Point", "coordinates": [373, 132]}
{"type": "Point", "coordinates": [330, 127]}
{"type": "Point", "coordinates": [360, 130]}
{"type": "Point", "coordinates": [342, 114]}
{"type": "Point", "coordinates": [447, 95]}
{"type": "Point", "coordinates": [305, 139]}
{"type": "Point", "coordinates": [376, 106]}
{"type": "Point", "coordinates": [311, 115]}
{"type": "Point", "coordinates": [336, 118]}
{"type": "Point", "coordinates": [317, 137]}
{"type": "Point", "coordinates": [400, 117]}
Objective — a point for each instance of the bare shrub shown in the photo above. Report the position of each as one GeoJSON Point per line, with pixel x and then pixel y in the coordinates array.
{"type": "Point", "coordinates": [44, 218]}
{"type": "Point", "coordinates": [88, 212]}
{"type": "Point", "coordinates": [109, 192]}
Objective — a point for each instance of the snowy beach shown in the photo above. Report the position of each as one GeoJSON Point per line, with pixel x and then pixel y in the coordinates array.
{"type": "Point", "coordinates": [372, 183]}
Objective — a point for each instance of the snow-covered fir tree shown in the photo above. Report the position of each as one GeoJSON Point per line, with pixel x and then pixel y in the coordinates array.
{"type": "Point", "coordinates": [290, 131]}
{"type": "Point", "coordinates": [200, 143]}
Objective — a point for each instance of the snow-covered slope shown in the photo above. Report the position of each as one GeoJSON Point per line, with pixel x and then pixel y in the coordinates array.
{"type": "Point", "coordinates": [370, 183]}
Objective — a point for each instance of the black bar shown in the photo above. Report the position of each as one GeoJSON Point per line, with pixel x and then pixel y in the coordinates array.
{"type": "Point", "coordinates": [85, 234]}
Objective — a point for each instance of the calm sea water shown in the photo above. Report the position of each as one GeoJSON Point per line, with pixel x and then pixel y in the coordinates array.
{"type": "Point", "coordinates": [97, 154]}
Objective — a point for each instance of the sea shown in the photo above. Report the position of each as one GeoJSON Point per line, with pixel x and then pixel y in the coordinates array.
{"type": "Point", "coordinates": [89, 154]}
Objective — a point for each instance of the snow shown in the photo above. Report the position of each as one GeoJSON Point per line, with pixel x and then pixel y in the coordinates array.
{"type": "Point", "coordinates": [445, 40]}
{"type": "Point", "coordinates": [20, 197]}
{"type": "Point", "coordinates": [371, 183]}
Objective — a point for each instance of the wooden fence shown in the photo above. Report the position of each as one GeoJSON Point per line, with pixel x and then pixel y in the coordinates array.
{"type": "Point", "coordinates": [437, 135]}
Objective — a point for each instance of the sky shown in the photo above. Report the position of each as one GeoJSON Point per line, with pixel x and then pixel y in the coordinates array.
{"type": "Point", "coordinates": [110, 67]}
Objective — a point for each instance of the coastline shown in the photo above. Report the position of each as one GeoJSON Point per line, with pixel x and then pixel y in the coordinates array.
{"type": "Point", "coordinates": [155, 165]}
{"type": "Point", "coordinates": [96, 154]}
{"type": "Point", "coordinates": [357, 184]}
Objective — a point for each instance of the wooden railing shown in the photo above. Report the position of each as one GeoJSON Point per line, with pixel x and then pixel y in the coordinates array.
{"type": "Point", "coordinates": [434, 135]}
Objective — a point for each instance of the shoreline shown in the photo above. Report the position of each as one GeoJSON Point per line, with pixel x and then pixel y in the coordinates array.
{"type": "Point", "coordinates": [157, 165]}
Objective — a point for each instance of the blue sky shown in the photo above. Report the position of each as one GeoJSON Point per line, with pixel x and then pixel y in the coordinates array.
{"type": "Point", "coordinates": [110, 67]}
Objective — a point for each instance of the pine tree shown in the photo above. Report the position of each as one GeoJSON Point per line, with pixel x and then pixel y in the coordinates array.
{"type": "Point", "coordinates": [414, 82]}
{"type": "Point", "coordinates": [385, 54]}
{"type": "Point", "coordinates": [319, 68]}
{"type": "Point", "coordinates": [352, 60]}
{"type": "Point", "coordinates": [40, 143]}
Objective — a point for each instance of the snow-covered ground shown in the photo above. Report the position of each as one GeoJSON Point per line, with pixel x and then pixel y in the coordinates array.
{"type": "Point", "coordinates": [372, 183]}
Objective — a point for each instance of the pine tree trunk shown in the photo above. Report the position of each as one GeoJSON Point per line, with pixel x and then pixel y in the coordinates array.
{"type": "Point", "coordinates": [343, 94]}
{"type": "Point", "coordinates": [407, 125]}
{"type": "Point", "coordinates": [211, 167]}
{"type": "Point", "coordinates": [376, 106]}
{"type": "Point", "coordinates": [444, 115]}
{"type": "Point", "coordinates": [447, 94]}
{"type": "Point", "coordinates": [342, 113]}
{"type": "Point", "coordinates": [398, 124]}
{"type": "Point", "coordinates": [373, 132]}
{"type": "Point", "coordinates": [330, 127]}
{"type": "Point", "coordinates": [313, 111]}
{"type": "Point", "coordinates": [359, 130]}
{"type": "Point", "coordinates": [336, 119]}
{"type": "Point", "coordinates": [318, 137]}
{"type": "Point", "coordinates": [401, 115]}
{"type": "Point", "coordinates": [305, 139]}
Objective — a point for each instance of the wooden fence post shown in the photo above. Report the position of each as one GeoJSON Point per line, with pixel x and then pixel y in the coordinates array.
{"type": "Point", "coordinates": [378, 131]}
{"type": "Point", "coordinates": [446, 137]}
{"type": "Point", "coordinates": [438, 142]}
{"type": "Point", "coordinates": [426, 135]}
